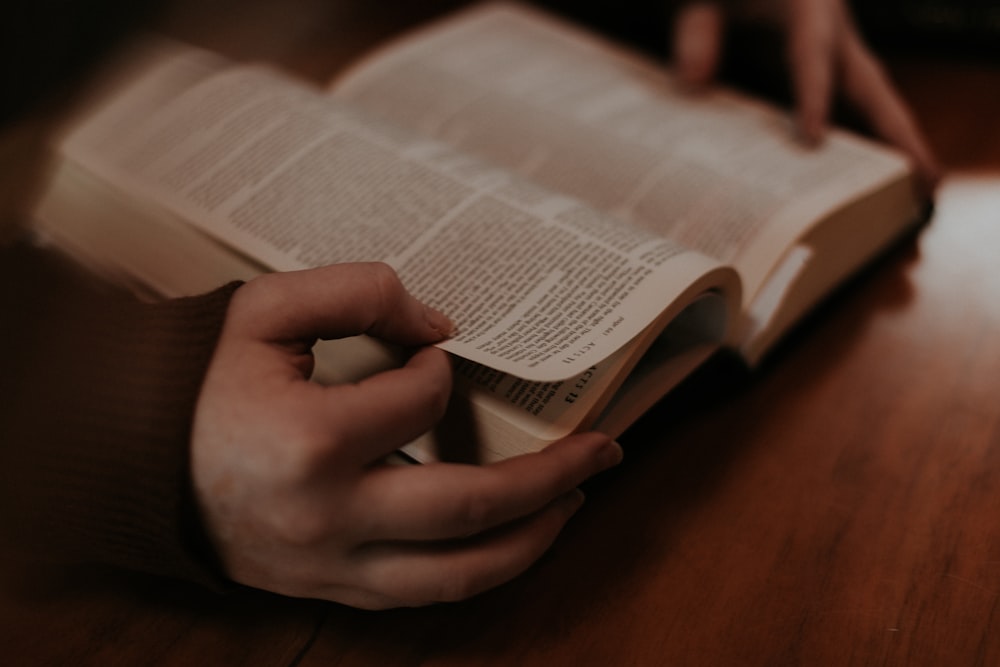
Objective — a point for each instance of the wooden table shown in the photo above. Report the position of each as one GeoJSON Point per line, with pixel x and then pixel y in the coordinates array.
{"type": "Point", "coordinates": [839, 507]}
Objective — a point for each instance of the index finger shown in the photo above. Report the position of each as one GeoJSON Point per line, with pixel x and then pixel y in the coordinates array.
{"type": "Point", "coordinates": [811, 51]}
{"type": "Point", "coordinates": [334, 302]}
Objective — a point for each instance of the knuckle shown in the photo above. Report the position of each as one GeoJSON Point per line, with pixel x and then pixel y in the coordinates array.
{"type": "Point", "coordinates": [258, 296]}
{"type": "Point", "coordinates": [300, 448]}
{"type": "Point", "coordinates": [297, 519]}
{"type": "Point", "coordinates": [308, 453]}
{"type": "Point", "coordinates": [302, 527]}
{"type": "Point", "coordinates": [386, 282]}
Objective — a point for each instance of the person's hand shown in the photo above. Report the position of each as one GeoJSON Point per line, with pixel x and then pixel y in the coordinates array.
{"type": "Point", "coordinates": [289, 475]}
{"type": "Point", "coordinates": [825, 50]}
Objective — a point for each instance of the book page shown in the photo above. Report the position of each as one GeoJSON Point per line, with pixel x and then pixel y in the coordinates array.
{"type": "Point", "coordinates": [715, 172]}
{"type": "Point", "coordinates": [562, 406]}
{"type": "Point", "coordinates": [515, 416]}
{"type": "Point", "coordinates": [540, 286]}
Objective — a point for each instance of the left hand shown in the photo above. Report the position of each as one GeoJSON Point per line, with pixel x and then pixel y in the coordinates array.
{"type": "Point", "coordinates": [289, 475]}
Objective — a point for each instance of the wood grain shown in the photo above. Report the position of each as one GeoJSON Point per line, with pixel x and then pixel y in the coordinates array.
{"type": "Point", "coordinates": [837, 507]}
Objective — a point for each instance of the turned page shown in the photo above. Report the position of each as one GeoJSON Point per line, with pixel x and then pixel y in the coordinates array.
{"type": "Point", "coordinates": [713, 171]}
{"type": "Point", "coordinates": [540, 286]}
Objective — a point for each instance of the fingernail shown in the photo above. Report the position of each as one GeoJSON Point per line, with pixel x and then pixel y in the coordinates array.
{"type": "Point", "coordinates": [439, 322]}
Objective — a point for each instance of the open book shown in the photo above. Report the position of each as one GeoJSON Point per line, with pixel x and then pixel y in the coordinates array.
{"type": "Point", "coordinates": [594, 233]}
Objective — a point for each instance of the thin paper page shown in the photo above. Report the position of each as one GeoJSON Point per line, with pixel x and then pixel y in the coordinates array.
{"type": "Point", "coordinates": [540, 286]}
{"type": "Point", "coordinates": [714, 172]}
{"type": "Point", "coordinates": [773, 293]}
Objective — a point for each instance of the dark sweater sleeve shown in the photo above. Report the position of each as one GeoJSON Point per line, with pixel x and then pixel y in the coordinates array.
{"type": "Point", "coordinates": [97, 394]}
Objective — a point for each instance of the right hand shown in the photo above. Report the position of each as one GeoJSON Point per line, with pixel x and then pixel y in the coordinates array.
{"type": "Point", "coordinates": [287, 473]}
{"type": "Point", "coordinates": [825, 50]}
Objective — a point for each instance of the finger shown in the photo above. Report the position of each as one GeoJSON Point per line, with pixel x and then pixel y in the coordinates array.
{"type": "Point", "coordinates": [352, 596]}
{"type": "Point", "coordinates": [697, 42]}
{"type": "Point", "coordinates": [811, 51]}
{"type": "Point", "coordinates": [869, 89]}
{"type": "Point", "coordinates": [312, 582]}
{"type": "Point", "coordinates": [381, 413]}
{"type": "Point", "coordinates": [333, 302]}
{"type": "Point", "coordinates": [444, 501]}
{"type": "Point", "coordinates": [420, 573]}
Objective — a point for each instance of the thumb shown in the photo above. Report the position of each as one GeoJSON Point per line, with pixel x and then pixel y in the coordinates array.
{"type": "Point", "coordinates": [335, 302]}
